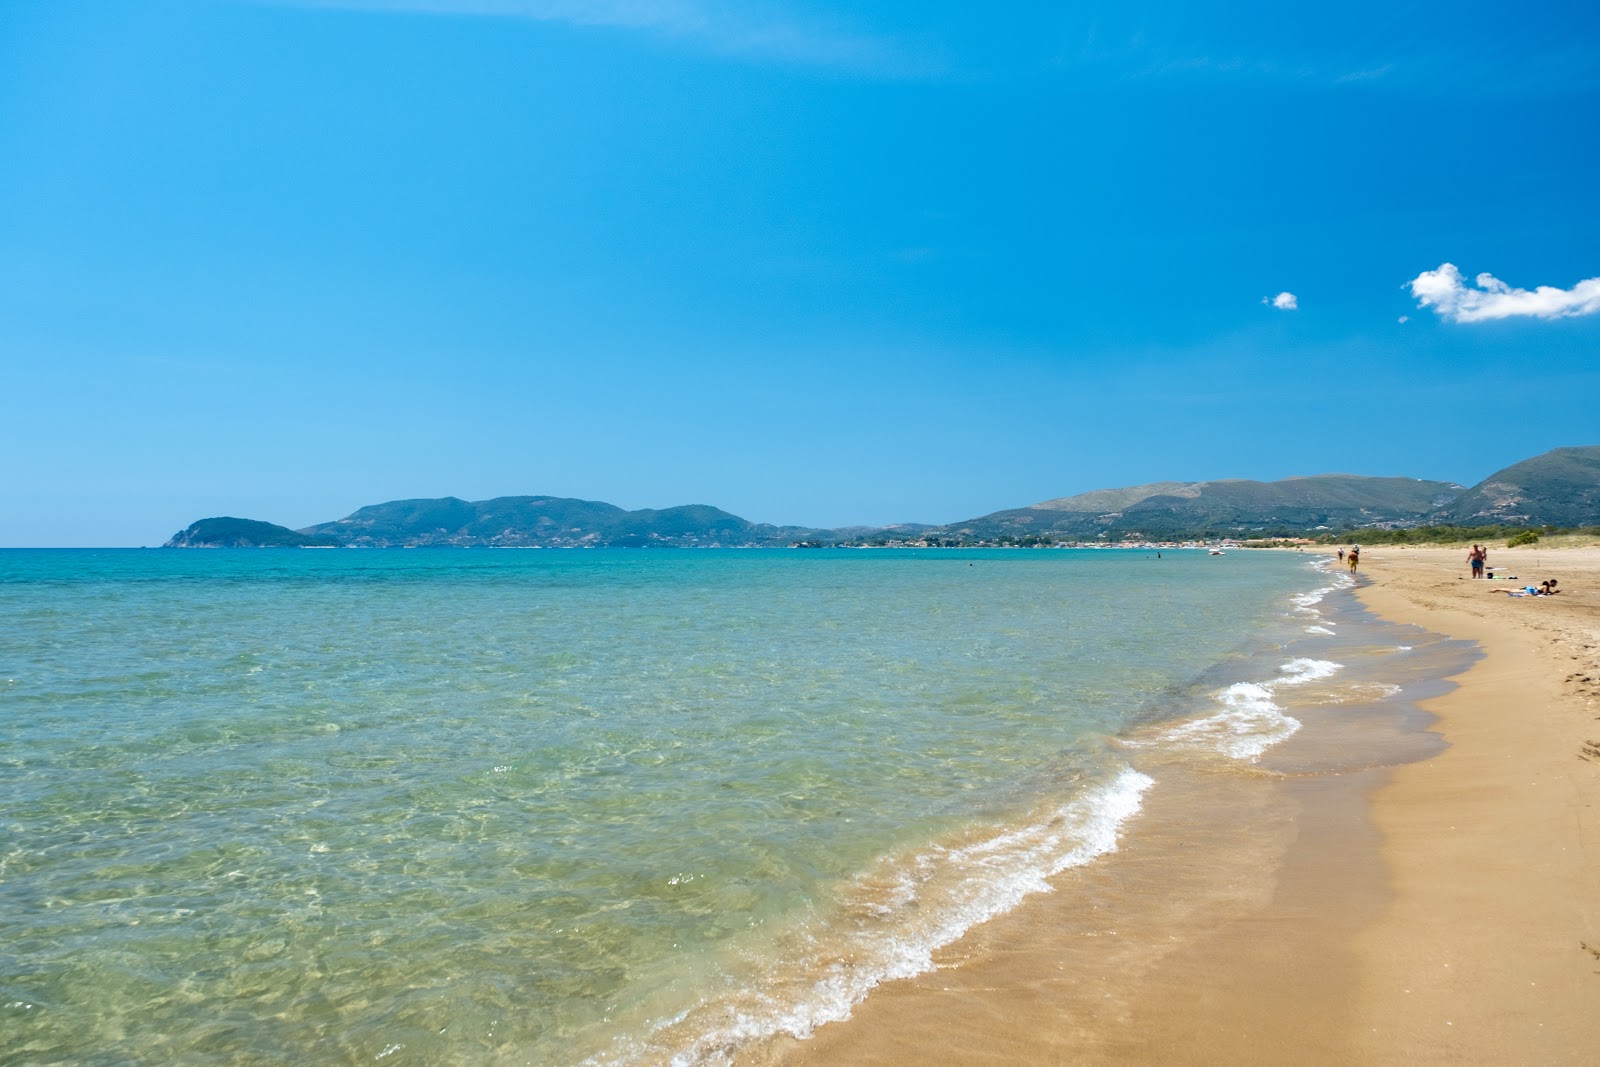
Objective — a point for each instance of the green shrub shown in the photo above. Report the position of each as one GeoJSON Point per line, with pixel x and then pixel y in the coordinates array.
{"type": "Point", "coordinates": [1434, 535]}
{"type": "Point", "coordinates": [1526, 537]}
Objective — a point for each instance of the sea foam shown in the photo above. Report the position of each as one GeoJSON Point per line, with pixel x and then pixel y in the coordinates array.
{"type": "Point", "coordinates": [1250, 721]}
{"type": "Point", "coordinates": [896, 917]}
{"type": "Point", "coordinates": [1305, 604]}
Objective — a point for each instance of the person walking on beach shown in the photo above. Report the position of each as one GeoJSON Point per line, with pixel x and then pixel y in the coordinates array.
{"type": "Point", "coordinates": [1341, 555]}
{"type": "Point", "coordinates": [1355, 557]}
{"type": "Point", "coordinates": [1475, 559]}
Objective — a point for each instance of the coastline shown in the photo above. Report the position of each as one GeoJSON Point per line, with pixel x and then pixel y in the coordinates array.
{"type": "Point", "coordinates": [1257, 908]}
{"type": "Point", "coordinates": [1432, 911]}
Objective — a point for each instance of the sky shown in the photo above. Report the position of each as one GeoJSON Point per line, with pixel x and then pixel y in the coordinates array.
{"type": "Point", "coordinates": [812, 262]}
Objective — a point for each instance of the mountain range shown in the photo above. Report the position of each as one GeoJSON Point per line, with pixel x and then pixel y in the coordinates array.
{"type": "Point", "coordinates": [1558, 488]}
{"type": "Point", "coordinates": [1172, 509]}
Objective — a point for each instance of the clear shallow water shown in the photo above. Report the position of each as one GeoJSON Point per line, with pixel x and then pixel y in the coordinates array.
{"type": "Point", "coordinates": [456, 806]}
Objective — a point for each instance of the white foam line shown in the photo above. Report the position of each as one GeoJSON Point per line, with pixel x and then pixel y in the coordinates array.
{"type": "Point", "coordinates": [1302, 670]}
{"type": "Point", "coordinates": [1305, 603]}
{"type": "Point", "coordinates": [1251, 721]}
{"type": "Point", "coordinates": [935, 898]}
{"type": "Point", "coordinates": [1306, 600]}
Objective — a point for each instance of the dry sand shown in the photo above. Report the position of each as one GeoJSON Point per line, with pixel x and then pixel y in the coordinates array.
{"type": "Point", "coordinates": [1446, 911]}
{"type": "Point", "coordinates": [1490, 951]}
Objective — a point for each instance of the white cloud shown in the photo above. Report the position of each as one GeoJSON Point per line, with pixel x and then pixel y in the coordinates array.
{"type": "Point", "coordinates": [1447, 293]}
{"type": "Point", "coordinates": [717, 25]}
{"type": "Point", "coordinates": [1283, 302]}
{"type": "Point", "coordinates": [1403, 319]}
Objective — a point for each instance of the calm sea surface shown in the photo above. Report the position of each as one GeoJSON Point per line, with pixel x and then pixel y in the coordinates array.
{"type": "Point", "coordinates": [294, 807]}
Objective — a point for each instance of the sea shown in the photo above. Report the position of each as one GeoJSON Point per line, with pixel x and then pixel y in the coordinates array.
{"type": "Point", "coordinates": [605, 807]}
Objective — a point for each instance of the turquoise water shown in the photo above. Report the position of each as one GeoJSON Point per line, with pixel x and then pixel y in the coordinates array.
{"type": "Point", "coordinates": [541, 806]}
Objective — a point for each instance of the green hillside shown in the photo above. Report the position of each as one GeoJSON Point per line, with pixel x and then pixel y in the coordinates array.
{"type": "Point", "coordinates": [1559, 488]}
{"type": "Point", "coordinates": [1171, 509]}
{"type": "Point", "coordinates": [1106, 501]}
{"type": "Point", "coordinates": [228, 532]}
{"type": "Point", "coordinates": [545, 521]}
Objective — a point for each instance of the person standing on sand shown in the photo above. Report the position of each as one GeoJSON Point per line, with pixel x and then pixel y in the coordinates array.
{"type": "Point", "coordinates": [1341, 555]}
{"type": "Point", "coordinates": [1475, 560]}
{"type": "Point", "coordinates": [1355, 557]}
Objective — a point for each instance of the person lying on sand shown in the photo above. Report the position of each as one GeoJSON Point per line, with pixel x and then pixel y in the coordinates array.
{"type": "Point", "coordinates": [1543, 589]}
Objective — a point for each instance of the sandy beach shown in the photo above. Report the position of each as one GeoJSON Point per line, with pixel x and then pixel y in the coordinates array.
{"type": "Point", "coordinates": [1445, 910]}
{"type": "Point", "coordinates": [1490, 950]}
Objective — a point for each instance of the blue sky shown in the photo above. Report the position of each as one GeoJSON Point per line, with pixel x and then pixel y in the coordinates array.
{"type": "Point", "coordinates": [812, 262]}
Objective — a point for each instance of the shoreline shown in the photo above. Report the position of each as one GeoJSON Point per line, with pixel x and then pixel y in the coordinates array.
{"type": "Point", "coordinates": [1351, 926]}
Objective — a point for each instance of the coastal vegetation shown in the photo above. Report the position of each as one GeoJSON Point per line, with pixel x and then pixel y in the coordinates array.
{"type": "Point", "coordinates": [1513, 536]}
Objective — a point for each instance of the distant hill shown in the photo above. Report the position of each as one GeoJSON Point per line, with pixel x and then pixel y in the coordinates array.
{"type": "Point", "coordinates": [1559, 488]}
{"type": "Point", "coordinates": [228, 532]}
{"type": "Point", "coordinates": [1106, 501]}
{"type": "Point", "coordinates": [1168, 509]}
{"type": "Point", "coordinates": [547, 522]}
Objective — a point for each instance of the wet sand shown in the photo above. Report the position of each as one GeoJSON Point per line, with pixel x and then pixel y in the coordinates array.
{"type": "Point", "coordinates": [1432, 912]}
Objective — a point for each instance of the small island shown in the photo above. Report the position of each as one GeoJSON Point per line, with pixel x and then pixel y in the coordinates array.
{"type": "Point", "coordinates": [225, 531]}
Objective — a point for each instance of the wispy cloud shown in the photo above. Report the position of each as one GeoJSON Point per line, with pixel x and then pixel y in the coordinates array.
{"type": "Point", "coordinates": [1398, 49]}
{"type": "Point", "coordinates": [1447, 293]}
{"type": "Point", "coordinates": [748, 31]}
{"type": "Point", "coordinates": [1284, 301]}
{"type": "Point", "coordinates": [1370, 74]}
